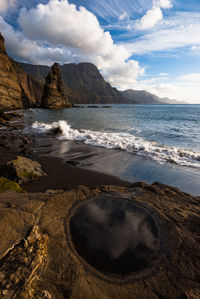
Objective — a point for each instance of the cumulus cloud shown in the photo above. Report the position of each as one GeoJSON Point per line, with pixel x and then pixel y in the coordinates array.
{"type": "Point", "coordinates": [6, 4]}
{"type": "Point", "coordinates": [77, 34]}
{"type": "Point", "coordinates": [153, 15]}
{"type": "Point", "coordinates": [125, 75]}
{"type": "Point", "coordinates": [26, 50]}
{"type": "Point", "coordinates": [150, 19]}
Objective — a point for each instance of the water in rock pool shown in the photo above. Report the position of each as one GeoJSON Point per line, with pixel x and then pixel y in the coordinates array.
{"type": "Point", "coordinates": [134, 142]}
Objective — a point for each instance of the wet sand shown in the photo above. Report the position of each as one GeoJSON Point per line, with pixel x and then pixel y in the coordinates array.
{"type": "Point", "coordinates": [62, 176]}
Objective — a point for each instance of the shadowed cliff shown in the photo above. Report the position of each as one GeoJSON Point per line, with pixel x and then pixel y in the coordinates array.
{"type": "Point", "coordinates": [17, 88]}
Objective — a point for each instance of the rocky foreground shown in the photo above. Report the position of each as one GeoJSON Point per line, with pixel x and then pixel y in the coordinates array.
{"type": "Point", "coordinates": [38, 258]}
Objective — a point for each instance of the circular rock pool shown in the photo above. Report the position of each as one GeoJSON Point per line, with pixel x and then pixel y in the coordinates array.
{"type": "Point", "coordinates": [114, 236]}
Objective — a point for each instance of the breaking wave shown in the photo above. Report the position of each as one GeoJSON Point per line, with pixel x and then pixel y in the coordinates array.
{"type": "Point", "coordinates": [124, 141]}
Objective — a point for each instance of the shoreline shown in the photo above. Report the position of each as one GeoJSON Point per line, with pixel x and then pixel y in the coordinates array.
{"type": "Point", "coordinates": [69, 164]}
{"type": "Point", "coordinates": [61, 176]}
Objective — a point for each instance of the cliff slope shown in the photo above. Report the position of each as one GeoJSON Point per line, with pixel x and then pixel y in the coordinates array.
{"type": "Point", "coordinates": [17, 88]}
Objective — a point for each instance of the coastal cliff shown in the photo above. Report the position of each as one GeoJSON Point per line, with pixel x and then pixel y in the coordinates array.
{"type": "Point", "coordinates": [84, 81]}
{"type": "Point", "coordinates": [17, 88]}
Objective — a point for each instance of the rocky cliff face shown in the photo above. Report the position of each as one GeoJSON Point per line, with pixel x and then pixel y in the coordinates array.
{"type": "Point", "coordinates": [84, 81]}
{"type": "Point", "coordinates": [17, 88]}
{"type": "Point", "coordinates": [54, 93]}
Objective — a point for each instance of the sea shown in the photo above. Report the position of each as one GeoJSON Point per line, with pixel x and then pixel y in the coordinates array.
{"type": "Point", "coordinates": [133, 142]}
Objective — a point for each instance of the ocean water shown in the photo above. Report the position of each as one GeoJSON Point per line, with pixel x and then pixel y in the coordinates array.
{"type": "Point", "coordinates": [165, 135]}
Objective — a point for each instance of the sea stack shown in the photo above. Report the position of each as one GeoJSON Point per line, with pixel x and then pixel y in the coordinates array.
{"type": "Point", "coordinates": [54, 94]}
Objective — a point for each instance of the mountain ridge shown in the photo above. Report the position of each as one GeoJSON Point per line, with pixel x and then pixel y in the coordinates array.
{"type": "Point", "coordinates": [79, 82]}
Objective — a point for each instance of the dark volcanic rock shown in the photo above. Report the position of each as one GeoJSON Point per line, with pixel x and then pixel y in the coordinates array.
{"type": "Point", "coordinates": [54, 95]}
{"type": "Point", "coordinates": [17, 88]}
{"type": "Point", "coordinates": [40, 255]}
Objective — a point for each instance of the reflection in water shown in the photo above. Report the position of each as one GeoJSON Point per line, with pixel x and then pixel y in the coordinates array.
{"type": "Point", "coordinates": [114, 235]}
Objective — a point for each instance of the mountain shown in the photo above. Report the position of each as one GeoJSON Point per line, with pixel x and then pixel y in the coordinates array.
{"type": "Point", "coordinates": [21, 86]}
{"type": "Point", "coordinates": [17, 88]}
{"type": "Point", "coordinates": [54, 93]}
{"type": "Point", "coordinates": [83, 80]}
{"type": "Point", "coordinates": [141, 97]}
{"type": "Point", "coordinates": [144, 97]}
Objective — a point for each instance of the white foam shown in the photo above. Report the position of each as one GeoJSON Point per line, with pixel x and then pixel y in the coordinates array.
{"type": "Point", "coordinates": [124, 141]}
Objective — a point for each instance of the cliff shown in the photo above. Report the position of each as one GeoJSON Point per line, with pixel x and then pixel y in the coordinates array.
{"type": "Point", "coordinates": [54, 93]}
{"type": "Point", "coordinates": [83, 80]}
{"type": "Point", "coordinates": [17, 88]}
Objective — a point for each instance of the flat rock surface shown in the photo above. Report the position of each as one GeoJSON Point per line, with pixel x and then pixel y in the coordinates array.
{"type": "Point", "coordinates": [39, 260]}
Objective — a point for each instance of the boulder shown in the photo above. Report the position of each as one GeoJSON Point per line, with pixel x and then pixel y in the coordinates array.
{"type": "Point", "coordinates": [40, 254]}
{"type": "Point", "coordinates": [7, 185]}
{"type": "Point", "coordinates": [24, 170]}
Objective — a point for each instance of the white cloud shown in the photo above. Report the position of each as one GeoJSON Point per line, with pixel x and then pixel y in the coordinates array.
{"type": "Point", "coordinates": [58, 31]}
{"type": "Point", "coordinates": [192, 78]}
{"type": "Point", "coordinates": [123, 16]}
{"type": "Point", "coordinates": [6, 4]}
{"type": "Point", "coordinates": [25, 50]}
{"type": "Point", "coordinates": [163, 3]}
{"type": "Point", "coordinates": [123, 76]}
{"type": "Point", "coordinates": [178, 31]}
{"type": "Point", "coordinates": [163, 74]}
{"type": "Point", "coordinates": [153, 15]}
{"type": "Point", "coordinates": [184, 88]}
{"type": "Point", "coordinates": [150, 19]}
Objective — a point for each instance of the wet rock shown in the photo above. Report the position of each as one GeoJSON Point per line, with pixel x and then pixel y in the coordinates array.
{"type": "Point", "coordinates": [7, 185]}
{"type": "Point", "coordinates": [73, 163]}
{"type": "Point", "coordinates": [55, 264]}
{"type": "Point", "coordinates": [24, 170]}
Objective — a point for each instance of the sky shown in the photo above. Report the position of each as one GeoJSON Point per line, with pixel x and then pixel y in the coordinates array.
{"type": "Point", "coordinates": [151, 45]}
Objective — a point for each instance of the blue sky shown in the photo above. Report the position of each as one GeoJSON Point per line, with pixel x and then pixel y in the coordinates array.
{"type": "Point", "coordinates": [141, 44]}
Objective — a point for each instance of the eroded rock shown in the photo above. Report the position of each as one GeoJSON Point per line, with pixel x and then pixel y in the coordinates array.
{"type": "Point", "coordinates": [19, 266]}
{"type": "Point", "coordinates": [66, 273]}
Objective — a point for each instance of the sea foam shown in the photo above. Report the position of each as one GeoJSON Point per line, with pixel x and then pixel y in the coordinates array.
{"type": "Point", "coordinates": [124, 141]}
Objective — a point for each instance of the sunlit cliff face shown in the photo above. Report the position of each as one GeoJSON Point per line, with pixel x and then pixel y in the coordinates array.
{"type": "Point", "coordinates": [114, 236]}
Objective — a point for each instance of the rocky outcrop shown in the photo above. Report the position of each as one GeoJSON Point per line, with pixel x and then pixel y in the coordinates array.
{"type": "Point", "coordinates": [54, 93]}
{"type": "Point", "coordinates": [24, 170]}
{"type": "Point", "coordinates": [17, 88]}
{"type": "Point", "coordinates": [36, 228]}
